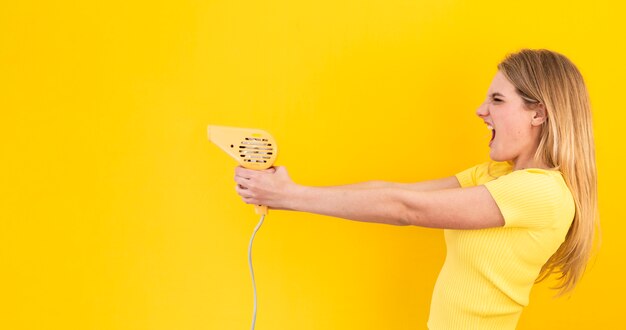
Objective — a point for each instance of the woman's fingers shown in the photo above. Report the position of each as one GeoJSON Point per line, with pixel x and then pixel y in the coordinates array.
{"type": "Point", "coordinates": [242, 191]}
{"type": "Point", "coordinates": [259, 187]}
{"type": "Point", "coordinates": [245, 173]}
{"type": "Point", "coordinates": [241, 180]}
{"type": "Point", "coordinates": [249, 174]}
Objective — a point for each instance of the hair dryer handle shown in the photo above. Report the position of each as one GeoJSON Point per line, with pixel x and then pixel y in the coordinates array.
{"type": "Point", "coordinates": [260, 209]}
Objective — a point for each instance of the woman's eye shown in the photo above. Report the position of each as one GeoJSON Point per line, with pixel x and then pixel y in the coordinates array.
{"type": "Point", "coordinates": [497, 100]}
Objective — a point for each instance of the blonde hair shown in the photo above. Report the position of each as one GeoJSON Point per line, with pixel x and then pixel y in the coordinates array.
{"type": "Point", "coordinates": [566, 144]}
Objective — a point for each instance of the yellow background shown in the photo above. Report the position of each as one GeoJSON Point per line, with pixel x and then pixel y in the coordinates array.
{"type": "Point", "coordinates": [117, 213]}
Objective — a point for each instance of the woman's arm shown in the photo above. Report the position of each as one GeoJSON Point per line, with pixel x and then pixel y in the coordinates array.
{"type": "Point", "coordinates": [445, 183]}
{"type": "Point", "coordinates": [458, 208]}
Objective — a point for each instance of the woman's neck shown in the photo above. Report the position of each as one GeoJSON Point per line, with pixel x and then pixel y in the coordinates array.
{"type": "Point", "coordinates": [528, 163]}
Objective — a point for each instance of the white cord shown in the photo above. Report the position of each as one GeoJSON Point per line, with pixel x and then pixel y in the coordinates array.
{"type": "Point", "coordinates": [252, 270]}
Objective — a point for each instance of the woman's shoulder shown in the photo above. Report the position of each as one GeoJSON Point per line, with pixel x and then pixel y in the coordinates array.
{"type": "Point", "coordinates": [493, 170]}
{"type": "Point", "coordinates": [539, 175]}
{"type": "Point", "coordinates": [535, 196]}
{"type": "Point", "coordinates": [500, 169]}
{"type": "Point", "coordinates": [536, 178]}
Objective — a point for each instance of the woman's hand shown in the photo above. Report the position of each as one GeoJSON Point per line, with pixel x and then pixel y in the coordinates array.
{"type": "Point", "coordinates": [272, 187]}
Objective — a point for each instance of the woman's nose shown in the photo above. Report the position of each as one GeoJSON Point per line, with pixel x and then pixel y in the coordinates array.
{"type": "Point", "coordinates": [482, 110]}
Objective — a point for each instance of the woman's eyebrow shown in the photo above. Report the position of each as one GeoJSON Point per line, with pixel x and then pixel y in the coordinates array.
{"type": "Point", "coordinates": [492, 95]}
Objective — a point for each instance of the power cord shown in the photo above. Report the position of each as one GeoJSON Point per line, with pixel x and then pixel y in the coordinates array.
{"type": "Point", "coordinates": [252, 269]}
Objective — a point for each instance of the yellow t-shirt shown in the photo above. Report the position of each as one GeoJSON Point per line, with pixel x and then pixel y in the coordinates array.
{"type": "Point", "coordinates": [486, 279]}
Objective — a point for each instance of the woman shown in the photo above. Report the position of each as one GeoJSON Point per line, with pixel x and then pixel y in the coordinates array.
{"type": "Point", "coordinates": [529, 212]}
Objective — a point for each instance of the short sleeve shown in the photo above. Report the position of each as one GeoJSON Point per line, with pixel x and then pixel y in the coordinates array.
{"type": "Point", "coordinates": [482, 173]}
{"type": "Point", "coordinates": [471, 176]}
{"type": "Point", "coordinates": [531, 198]}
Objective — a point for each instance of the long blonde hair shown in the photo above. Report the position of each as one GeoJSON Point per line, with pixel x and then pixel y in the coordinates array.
{"type": "Point", "coordinates": [566, 144]}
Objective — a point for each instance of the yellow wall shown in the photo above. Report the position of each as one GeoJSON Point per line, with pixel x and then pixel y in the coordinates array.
{"type": "Point", "coordinates": [117, 213]}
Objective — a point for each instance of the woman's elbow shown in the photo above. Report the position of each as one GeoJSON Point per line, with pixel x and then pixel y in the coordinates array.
{"type": "Point", "coordinates": [416, 213]}
{"type": "Point", "coordinates": [405, 212]}
{"type": "Point", "coordinates": [409, 217]}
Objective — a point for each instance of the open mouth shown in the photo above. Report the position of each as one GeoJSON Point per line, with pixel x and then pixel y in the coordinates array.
{"type": "Point", "coordinates": [493, 133]}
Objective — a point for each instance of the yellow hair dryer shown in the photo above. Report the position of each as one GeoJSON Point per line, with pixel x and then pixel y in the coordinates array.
{"type": "Point", "coordinates": [254, 149]}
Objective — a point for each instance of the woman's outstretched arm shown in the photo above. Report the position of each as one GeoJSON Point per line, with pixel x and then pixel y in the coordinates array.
{"type": "Point", "coordinates": [444, 183]}
{"type": "Point", "coordinates": [458, 208]}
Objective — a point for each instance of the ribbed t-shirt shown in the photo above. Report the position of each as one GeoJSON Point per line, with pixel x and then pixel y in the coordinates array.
{"type": "Point", "coordinates": [487, 276]}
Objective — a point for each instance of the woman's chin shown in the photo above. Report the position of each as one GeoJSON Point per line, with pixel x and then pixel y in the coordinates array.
{"type": "Point", "coordinates": [497, 157]}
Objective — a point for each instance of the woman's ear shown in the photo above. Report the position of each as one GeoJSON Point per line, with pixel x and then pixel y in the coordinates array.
{"type": "Point", "coordinates": [539, 116]}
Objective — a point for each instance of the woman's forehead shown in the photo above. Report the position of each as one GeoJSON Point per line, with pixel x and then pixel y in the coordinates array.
{"type": "Point", "coordinates": [500, 86]}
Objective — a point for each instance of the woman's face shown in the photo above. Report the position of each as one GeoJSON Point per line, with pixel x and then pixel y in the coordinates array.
{"type": "Point", "coordinates": [515, 133]}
